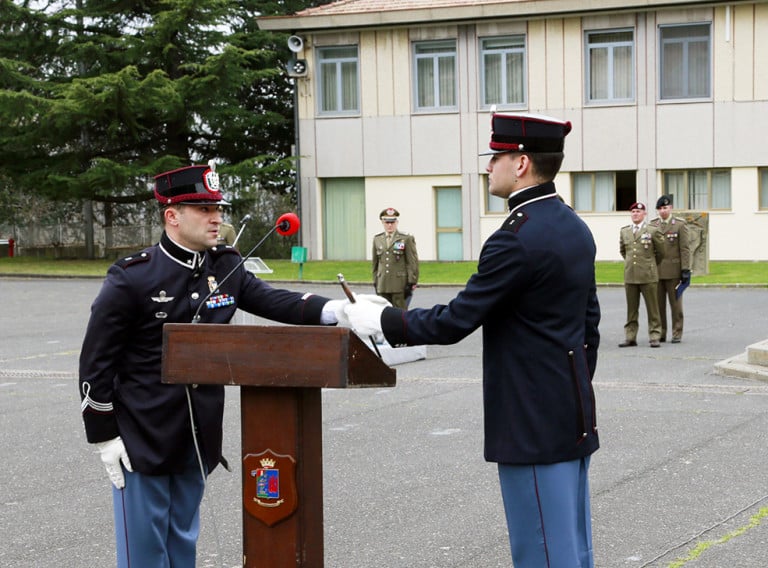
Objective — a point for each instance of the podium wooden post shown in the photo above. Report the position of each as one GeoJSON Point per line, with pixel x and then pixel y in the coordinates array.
{"type": "Point", "coordinates": [281, 371]}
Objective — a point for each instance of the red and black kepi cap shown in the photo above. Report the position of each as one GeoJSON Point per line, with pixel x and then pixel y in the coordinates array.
{"type": "Point", "coordinates": [192, 185]}
{"type": "Point", "coordinates": [526, 133]}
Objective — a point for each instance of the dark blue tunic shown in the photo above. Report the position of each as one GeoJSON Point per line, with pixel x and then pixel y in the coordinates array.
{"type": "Point", "coordinates": [534, 294]}
{"type": "Point", "coordinates": [120, 360]}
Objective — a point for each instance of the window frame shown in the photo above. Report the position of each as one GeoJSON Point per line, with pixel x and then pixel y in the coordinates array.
{"type": "Point", "coordinates": [436, 77]}
{"type": "Point", "coordinates": [664, 44]}
{"type": "Point", "coordinates": [489, 199]}
{"type": "Point", "coordinates": [505, 53]}
{"type": "Point", "coordinates": [611, 47]}
{"type": "Point", "coordinates": [623, 190]}
{"type": "Point", "coordinates": [762, 191]}
{"type": "Point", "coordinates": [343, 229]}
{"type": "Point", "coordinates": [442, 229]}
{"type": "Point", "coordinates": [682, 198]}
{"type": "Point", "coordinates": [338, 63]}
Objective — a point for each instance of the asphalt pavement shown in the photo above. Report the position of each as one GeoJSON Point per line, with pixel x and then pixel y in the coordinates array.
{"type": "Point", "coordinates": [680, 479]}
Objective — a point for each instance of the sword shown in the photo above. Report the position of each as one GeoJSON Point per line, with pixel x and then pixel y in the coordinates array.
{"type": "Point", "coordinates": [351, 297]}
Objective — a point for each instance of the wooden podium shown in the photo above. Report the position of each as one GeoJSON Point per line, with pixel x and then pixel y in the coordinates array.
{"type": "Point", "coordinates": [281, 371]}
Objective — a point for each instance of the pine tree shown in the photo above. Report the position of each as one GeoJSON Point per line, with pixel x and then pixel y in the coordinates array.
{"type": "Point", "coordinates": [97, 96]}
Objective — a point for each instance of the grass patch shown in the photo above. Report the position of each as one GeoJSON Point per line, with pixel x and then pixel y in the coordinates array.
{"type": "Point", "coordinates": [431, 272]}
{"type": "Point", "coordinates": [31, 266]}
{"type": "Point", "coordinates": [703, 546]}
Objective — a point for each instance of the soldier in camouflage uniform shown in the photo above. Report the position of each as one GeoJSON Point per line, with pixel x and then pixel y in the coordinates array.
{"type": "Point", "coordinates": [674, 268]}
{"type": "Point", "coordinates": [395, 261]}
{"type": "Point", "coordinates": [641, 248]}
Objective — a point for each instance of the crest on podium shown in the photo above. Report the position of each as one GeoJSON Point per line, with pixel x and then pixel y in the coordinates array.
{"type": "Point", "coordinates": [269, 489]}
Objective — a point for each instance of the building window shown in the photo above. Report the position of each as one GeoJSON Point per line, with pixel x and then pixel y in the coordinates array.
{"type": "Point", "coordinates": [338, 82]}
{"type": "Point", "coordinates": [685, 61]}
{"type": "Point", "coordinates": [448, 222]}
{"type": "Point", "coordinates": [502, 68]}
{"type": "Point", "coordinates": [699, 190]}
{"type": "Point", "coordinates": [435, 67]}
{"type": "Point", "coordinates": [763, 172]}
{"type": "Point", "coordinates": [344, 235]}
{"type": "Point", "coordinates": [604, 191]}
{"type": "Point", "coordinates": [493, 203]}
{"type": "Point", "coordinates": [610, 66]}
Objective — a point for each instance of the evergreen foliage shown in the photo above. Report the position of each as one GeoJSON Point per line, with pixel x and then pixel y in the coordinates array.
{"type": "Point", "coordinates": [97, 96]}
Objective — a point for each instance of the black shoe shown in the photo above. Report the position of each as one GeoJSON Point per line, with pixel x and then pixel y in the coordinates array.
{"type": "Point", "coordinates": [628, 343]}
{"type": "Point", "coordinates": [675, 340]}
{"type": "Point", "coordinates": [655, 343]}
{"type": "Point", "coordinates": [664, 340]}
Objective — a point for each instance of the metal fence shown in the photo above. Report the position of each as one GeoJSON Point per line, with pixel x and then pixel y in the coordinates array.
{"type": "Point", "coordinates": [141, 227]}
{"type": "Point", "coordinates": [62, 240]}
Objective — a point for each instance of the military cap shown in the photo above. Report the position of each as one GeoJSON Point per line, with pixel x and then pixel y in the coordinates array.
{"type": "Point", "coordinates": [637, 205]}
{"type": "Point", "coordinates": [389, 214]}
{"type": "Point", "coordinates": [192, 185]}
{"type": "Point", "coordinates": [526, 133]}
{"type": "Point", "coordinates": [664, 200]}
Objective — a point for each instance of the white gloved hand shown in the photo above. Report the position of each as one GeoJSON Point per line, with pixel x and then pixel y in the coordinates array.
{"type": "Point", "coordinates": [379, 300]}
{"type": "Point", "coordinates": [112, 453]}
{"type": "Point", "coordinates": [335, 309]}
{"type": "Point", "coordinates": [373, 298]}
{"type": "Point", "coordinates": [365, 316]}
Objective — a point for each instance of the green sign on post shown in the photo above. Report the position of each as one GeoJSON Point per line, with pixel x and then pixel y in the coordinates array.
{"type": "Point", "coordinates": [299, 254]}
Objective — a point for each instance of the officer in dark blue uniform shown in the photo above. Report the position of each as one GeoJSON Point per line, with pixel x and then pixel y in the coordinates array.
{"type": "Point", "coordinates": [159, 441]}
{"type": "Point", "coordinates": [534, 294]}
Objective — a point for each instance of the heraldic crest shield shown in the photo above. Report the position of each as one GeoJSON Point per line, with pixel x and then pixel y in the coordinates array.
{"type": "Point", "coordinates": [269, 486]}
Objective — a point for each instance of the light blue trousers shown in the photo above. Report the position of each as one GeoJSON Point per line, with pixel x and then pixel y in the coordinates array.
{"type": "Point", "coordinates": [157, 519]}
{"type": "Point", "coordinates": [548, 514]}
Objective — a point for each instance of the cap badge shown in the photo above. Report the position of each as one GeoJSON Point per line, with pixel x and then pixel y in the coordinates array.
{"type": "Point", "coordinates": [212, 181]}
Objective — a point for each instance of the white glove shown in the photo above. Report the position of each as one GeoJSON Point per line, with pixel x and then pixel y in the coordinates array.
{"type": "Point", "coordinates": [373, 298]}
{"type": "Point", "coordinates": [333, 312]}
{"type": "Point", "coordinates": [112, 453]}
{"type": "Point", "coordinates": [365, 316]}
{"type": "Point", "coordinates": [377, 337]}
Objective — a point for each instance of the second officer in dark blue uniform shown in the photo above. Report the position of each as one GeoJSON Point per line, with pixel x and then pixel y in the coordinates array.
{"type": "Point", "coordinates": [143, 428]}
{"type": "Point", "coordinates": [534, 294]}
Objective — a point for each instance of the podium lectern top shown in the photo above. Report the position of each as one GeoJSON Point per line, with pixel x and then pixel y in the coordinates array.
{"type": "Point", "coordinates": [274, 356]}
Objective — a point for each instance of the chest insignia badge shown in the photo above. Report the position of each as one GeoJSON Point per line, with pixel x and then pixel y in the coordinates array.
{"type": "Point", "coordinates": [219, 301]}
{"type": "Point", "coordinates": [162, 297]}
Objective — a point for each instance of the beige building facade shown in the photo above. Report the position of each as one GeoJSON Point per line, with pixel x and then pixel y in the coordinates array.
{"type": "Point", "coordinates": [395, 97]}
